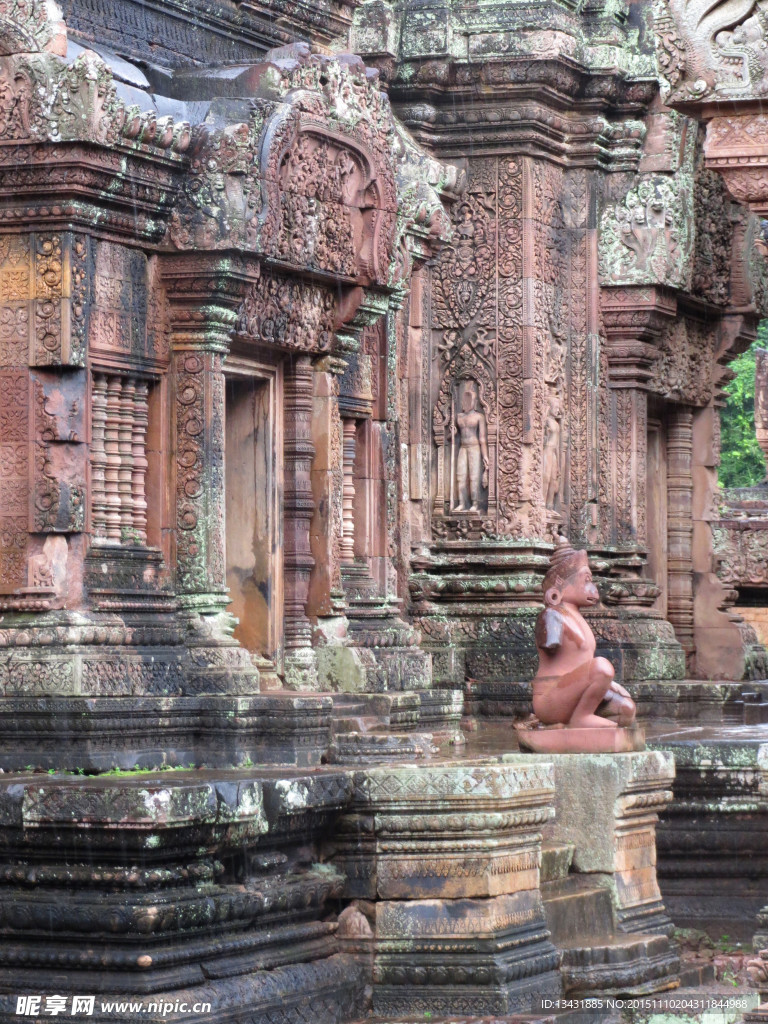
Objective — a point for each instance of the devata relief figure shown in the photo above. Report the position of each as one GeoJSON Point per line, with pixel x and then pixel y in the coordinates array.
{"type": "Point", "coordinates": [551, 454]}
{"type": "Point", "coordinates": [472, 461]}
{"type": "Point", "coordinates": [575, 696]}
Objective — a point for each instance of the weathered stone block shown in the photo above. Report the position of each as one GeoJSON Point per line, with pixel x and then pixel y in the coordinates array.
{"type": "Point", "coordinates": [445, 831]}
{"type": "Point", "coordinates": [607, 807]}
{"type": "Point", "coordinates": [713, 864]}
{"type": "Point", "coordinates": [443, 953]}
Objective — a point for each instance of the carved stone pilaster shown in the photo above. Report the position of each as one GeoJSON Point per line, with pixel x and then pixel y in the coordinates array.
{"type": "Point", "coordinates": [300, 659]}
{"type": "Point", "coordinates": [634, 319]}
{"type": "Point", "coordinates": [348, 507]}
{"type": "Point", "coordinates": [199, 417]}
{"type": "Point", "coordinates": [680, 525]}
{"type": "Point", "coordinates": [203, 313]}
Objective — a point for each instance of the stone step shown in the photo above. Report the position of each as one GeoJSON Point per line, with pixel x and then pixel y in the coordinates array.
{"type": "Point", "coordinates": [401, 711]}
{"type": "Point", "coordinates": [576, 909]}
{"type": "Point", "coordinates": [695, 975]}
{"type": "Point", "coordinates": [375, 747]}
{"type": "Point", "coordinates": [634, 964]}
{"type": "Point", "coordinates": [562, 1017]}
{"type": "Point", "coordinates": [357, 724]}
{"type": "Point", "coordinates": [556, 859]}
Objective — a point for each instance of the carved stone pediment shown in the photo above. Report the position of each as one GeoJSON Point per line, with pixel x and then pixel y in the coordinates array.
{"type": "Point", "coordinates": [711, 51]}
{"type": "Point", "coordinates": [27, 27]}
{"type": "Point", "coordinates": [309, 182]}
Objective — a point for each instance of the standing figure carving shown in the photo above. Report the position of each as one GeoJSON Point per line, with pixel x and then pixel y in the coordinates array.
{"type": "Point", "coordinates": [472, 460]}
{"type": "Point", "coordinates": [551, 457]}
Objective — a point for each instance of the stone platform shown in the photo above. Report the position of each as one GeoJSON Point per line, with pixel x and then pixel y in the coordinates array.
{"type": "Point", "coordinates": [281, 895]}
{"type": "Point", "coordinates": [713, 862]}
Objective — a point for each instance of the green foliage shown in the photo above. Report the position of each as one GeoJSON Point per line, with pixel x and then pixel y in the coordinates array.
{"type": "Point", "coordinates": [741, 460]}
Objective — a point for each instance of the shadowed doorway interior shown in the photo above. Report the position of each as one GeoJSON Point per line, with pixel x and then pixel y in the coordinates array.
{"type": "Point", "coordinates": [253, 499]}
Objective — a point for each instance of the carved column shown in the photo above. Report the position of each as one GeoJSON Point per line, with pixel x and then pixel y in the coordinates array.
{"type": "Point", "coordinates": [680, 525]}
{"type": "Point", "coordinates": [633, 319]}
{"type": "Point", "coordinates": [203, 310]}
{"type": "Point", "coordinates": [300, 660]}
{"type": "Point", "coordinates": [140, 423]}
{"type": "Point", "coordinates": [348, 507]}
{"type": "Point", "coordinates": [112, 448]}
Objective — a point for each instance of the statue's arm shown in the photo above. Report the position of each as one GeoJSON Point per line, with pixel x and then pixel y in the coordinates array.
{"type": "Point", "coordinates": [618, 688]}
{"type": "Point", "coordinates": [483, 436]}
{"type": "Point", "coordinates": [549, 630]}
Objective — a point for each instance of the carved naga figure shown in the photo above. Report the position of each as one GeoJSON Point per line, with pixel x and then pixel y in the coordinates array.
{"type": "Point", "coordinates": [574, 690]}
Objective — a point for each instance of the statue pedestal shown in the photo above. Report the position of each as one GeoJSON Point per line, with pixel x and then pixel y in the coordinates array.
{"type": "Point", "coordinates": [606, 807]}
{"type": "Point", "coordinates": [560, 739]}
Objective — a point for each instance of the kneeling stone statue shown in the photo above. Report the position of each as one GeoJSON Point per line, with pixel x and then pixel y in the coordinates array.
{"type": "Point", "coordinates": [577, 703]}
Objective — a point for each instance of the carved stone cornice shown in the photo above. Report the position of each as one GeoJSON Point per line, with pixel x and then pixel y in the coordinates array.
{"type": "Point", "coordinates": [737, 147]}
{"type": "Point", "coordinates": [516, 77]}
{"type": "Point", "coordinates": [205, 293]}
{"type": "Point", "coordinates": [634, 319]}
{"type": "Point", "coordinates": [64, 185]}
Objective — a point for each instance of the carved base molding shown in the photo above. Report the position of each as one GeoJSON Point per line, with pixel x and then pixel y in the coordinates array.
{"type": "Point", "coordinates": [100, 733]}
{"type": "Point", "coordinates": [712, 862]}
{"type": "Point", "coordinates": [451, 855]}
{"type": "Point", "coordinates": [476, 612]}
{"type": "Point", "coordinates": [177, 900]}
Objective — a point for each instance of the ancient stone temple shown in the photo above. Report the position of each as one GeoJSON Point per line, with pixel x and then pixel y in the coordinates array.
{"type": "Point", "coordinates": [318, 324]}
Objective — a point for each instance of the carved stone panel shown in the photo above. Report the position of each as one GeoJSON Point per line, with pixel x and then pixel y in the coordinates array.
{"type": "Point", "coordinates": [119, 301]}
{"type": "Point", "coordinates": [514, 346]}
{"type": "Point", "coordinates": [14, 478]}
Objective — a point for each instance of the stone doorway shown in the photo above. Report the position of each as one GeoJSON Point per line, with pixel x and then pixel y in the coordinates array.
{"type": "Point", "coordinates": [253, 488]}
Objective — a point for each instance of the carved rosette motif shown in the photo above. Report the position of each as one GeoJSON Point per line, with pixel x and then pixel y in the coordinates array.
{"type": "Point", "coordinates": [199, 385]}
{"type": "Point", "coordinates": [42, 330]}
{"type": "Point", "coordinates": [14, 471]}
